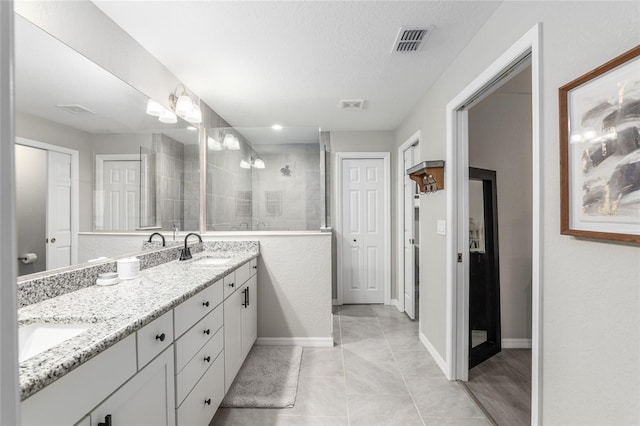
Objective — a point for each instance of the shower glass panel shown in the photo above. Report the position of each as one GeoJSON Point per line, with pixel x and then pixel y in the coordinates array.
{"type": "Point", "coordinates": [261, 179]}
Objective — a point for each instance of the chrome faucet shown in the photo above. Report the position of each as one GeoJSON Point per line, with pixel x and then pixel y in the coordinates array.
{"type": "Point", "coordinates": [185, 254]}
{"type": "Point", "coordinates": [161, 236]}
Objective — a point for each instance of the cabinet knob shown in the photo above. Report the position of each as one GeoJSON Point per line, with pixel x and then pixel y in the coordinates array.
{"type": "Point", "coordinates": [207, 358]}
{"type": "Point", "coordinates": [207, 401]}
{"type": "Point", "coordinates": [207, 331]}
{"type": "Point", "coordinates": [232, 285]}
{"type": "Point", "coordinates": [205, 304]}
{"type": "Point", "coordinates": [160, 337]}
{"type": "Point", "coordinates": [255, 266]}
{"type": "Point", "coordinates": [107, 421]}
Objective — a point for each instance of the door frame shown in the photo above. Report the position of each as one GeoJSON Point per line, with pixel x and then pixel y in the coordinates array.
{"type": "Point", "coordinates": [456, 175]}
{"type": "Point", "coordinates": [411, 141]}
{"type": "Point", "coordinates": [385, 157]}
{"type": "Point", "coordinates": [75, 186]}
{"type": "Point", "coordinates": [98, 202]}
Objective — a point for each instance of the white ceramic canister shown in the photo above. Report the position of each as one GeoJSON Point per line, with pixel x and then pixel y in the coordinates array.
{"type": "Point", "coordinates": [128, 268]}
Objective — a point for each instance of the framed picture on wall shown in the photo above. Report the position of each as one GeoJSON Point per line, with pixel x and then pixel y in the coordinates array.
{"type": "Point", "coordinates": [600, 151]}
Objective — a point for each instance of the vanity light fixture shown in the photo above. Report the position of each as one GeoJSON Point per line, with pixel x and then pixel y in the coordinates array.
{"type": "Point", "coordinates": [231, 142]}
{"type": "Point", "coordinates": [184, 105]}
{"type": "Point", "coordinates": [244, 164]}
{"type": "Point", "coordinates": [258, 163]}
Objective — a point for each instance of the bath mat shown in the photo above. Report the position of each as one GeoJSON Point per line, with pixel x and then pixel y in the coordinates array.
{"type": "Point", "coordinates": [267, 379]}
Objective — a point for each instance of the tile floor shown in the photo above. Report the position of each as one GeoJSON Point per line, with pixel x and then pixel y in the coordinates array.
{"type": "Point", "coordinates": [378, 373]}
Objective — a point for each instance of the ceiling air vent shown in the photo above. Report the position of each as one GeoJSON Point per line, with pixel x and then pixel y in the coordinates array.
{"type": "Point", "coordinates": [411, 39]}
{"type": "Point", "coordinates": [75, 109]}
{"type": "Point", "coordinates": [352, 104]}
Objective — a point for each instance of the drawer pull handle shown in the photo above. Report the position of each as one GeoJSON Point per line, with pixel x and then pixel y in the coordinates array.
{"type": "Point", "coordinates": [205, 304]}
{"type": "Point", "coordinates": [107, 421]}
{"type": "Point", "coordinates": [207, 358]}
{"type": "Point", "coordinates": [207, 401]}
{"type": "Point", "coordinates": [232, 285]}
{"type": "Point", "coordinates": [207, 331]}
{"type": "Point", "coordinates": [160, 337]}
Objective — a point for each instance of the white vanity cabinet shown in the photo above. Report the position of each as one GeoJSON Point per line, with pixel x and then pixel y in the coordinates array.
{"type": "Point", "coordinates": [145, 400]}
{"type": "Point", "coordinates": [240, 321]}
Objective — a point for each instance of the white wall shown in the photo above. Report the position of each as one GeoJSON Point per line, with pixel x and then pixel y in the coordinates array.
{"type": "Point", "coordinates": [500, 140]}
{"type": "Point", "coordinates": [294, 278]}
{"type": "Point", "coordinates": [361, 141]}
{"type": "Point", "coordinates": [590, 293]}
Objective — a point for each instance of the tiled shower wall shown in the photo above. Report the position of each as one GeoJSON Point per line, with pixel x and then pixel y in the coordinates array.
{"type": "Point", "coordinates": [229, 190]}
{"type": "Point", "coordinates": [191, 188]}
{"type": "Point", "coordinates": [286, 193]}
{"type": "Point", "coordinates": [169, 181]}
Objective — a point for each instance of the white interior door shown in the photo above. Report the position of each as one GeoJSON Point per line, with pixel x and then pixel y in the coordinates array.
{"type": "Point", "coordinates": [58, 210]}
{"type": "Point", "coordinates": [363, 202]}
{"type": "Point", "coordinates": [409, 235]}
{"type": "Point", "coordinates": [121, 185]}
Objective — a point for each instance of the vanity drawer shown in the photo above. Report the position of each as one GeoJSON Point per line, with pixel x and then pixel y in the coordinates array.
{"type": "Point", "coordinates": [202, 403]}
{"type": "Point", "coordinates": [198, 365]}
{"type": "Point", "coordinates": [230, 284]}
{"type": "Point", "coordinates": [243, 273]}
{"type": "Point", "coordinates": [254, 266]}
{"type": "Point", "coordinates": [191, 310]}
{"type": "Point", "coordinates": [154, 337]}
{"type": "Point", "coordinates": [194, 339]}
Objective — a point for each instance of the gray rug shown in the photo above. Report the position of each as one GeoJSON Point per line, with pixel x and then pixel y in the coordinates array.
{"type": "Point", "coordinates": [267, 379]}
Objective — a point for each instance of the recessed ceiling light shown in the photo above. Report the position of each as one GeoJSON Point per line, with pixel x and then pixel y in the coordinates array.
{"type": "Point", "coordinates": [192, 128]}
{"type": "Point", "coordinates": [276, 127]}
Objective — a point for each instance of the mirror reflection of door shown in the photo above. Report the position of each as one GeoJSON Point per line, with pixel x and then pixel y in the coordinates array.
{"type": "Point", "coordinates": [484, 280]}
{"type": "Point", "coordinates": [118, 192]}
{"type": "Point", "coordinates": [43, 207]}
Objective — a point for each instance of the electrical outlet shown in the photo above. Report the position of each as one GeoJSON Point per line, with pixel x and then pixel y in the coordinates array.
{"type": "Point", "coordinates": [442, 227]}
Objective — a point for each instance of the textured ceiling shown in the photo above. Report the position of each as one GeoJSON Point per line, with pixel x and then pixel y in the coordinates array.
{"type": "Point", "coordinates": [259, 63]}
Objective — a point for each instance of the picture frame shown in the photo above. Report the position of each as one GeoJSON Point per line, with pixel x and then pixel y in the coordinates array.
{"type": "Point", "coordinates": [600, 151]}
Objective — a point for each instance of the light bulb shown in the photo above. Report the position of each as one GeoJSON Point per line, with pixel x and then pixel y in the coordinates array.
{"type": "Point", "coordinates": [168, 117]}
{"type": "Point", "coordinates": [184, 105]}
{"type": "Point", "coordinates": [276, 127]}
{"type": "Point", "coordinates": [154, 108]}
{"type": "Point", "coordinates": [244, 164]}
{"type": "Point", "coordinates": [213, 144]}
{"type": "Point", "coordinates": [258, 163]}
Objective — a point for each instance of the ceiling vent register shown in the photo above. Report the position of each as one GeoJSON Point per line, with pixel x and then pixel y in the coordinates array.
{"type": "Point", "coordinates": [75, 109]}
{"type": "Point", "coordinates": [411, 39]}
{"type": "Point", "coordinates": [352, 104]}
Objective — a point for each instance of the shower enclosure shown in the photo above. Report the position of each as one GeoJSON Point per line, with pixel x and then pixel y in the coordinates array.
{"type": "Point", "coordinates": [261, 179]}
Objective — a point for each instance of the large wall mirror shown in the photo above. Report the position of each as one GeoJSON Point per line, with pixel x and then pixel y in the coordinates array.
{"type": "Point", "coordinates": [88, 157]}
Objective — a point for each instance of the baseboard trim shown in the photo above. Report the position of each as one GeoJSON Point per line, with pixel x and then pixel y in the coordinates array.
{"type": "Point", "coordinates": [516, 343]}
{"type": "Point", "coordinates": [394, 302]}
{"type": "Point", "coordinates": [335, 302]}
{"type": "Point", "coordinates": [434, 353]}
{"type": "Point", "coordinates": [311, 342]}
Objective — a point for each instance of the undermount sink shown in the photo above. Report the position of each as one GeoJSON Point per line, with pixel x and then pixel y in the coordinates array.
{"type": "Point", "coordinates": [210, 261]}
{"type": "Point", "coordinates": [36, 338]}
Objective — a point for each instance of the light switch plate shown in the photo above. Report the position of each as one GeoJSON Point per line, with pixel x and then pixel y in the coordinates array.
{"type": "Point", "coordinates": [442, 227]}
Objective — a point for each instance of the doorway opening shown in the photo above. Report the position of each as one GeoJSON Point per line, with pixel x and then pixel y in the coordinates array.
{"type": "Point", "coordinates": [520, 275]}
{"type": "Point", "coordinates": [46, 206]}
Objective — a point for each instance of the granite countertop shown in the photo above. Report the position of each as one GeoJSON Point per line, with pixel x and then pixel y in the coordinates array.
{"type": "Point", "coordinates": [114, 312]}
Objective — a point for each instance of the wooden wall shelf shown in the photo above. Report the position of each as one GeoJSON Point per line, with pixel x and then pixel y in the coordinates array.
{"type": "Point", "coordinates": [429, 175]}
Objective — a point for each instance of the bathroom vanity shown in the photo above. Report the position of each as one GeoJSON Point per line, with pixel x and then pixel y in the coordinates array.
{"type": "Point", "coordinates": [161, 349]}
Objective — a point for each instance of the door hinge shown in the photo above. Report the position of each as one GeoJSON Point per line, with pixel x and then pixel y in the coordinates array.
{"type": "Point", "coordinates": [459, 257]}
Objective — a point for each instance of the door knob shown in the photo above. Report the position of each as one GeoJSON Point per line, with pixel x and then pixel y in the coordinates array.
{"type": "Point", "coordinates": [53, 240]}
{"type": "Point", "coordinates": [354, 240]}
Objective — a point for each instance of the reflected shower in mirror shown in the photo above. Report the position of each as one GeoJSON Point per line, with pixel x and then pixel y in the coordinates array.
{"type": "Point", "coordinates": [90, 157]}
{"type": "Point", "coordinates": [264, 179]}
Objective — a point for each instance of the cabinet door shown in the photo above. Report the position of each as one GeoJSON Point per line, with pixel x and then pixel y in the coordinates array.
{"type": "Point", "coordinates": [249, 316]}
{"type": "Point", "coordinates": [232, 337]}
{"type": "Point", "coordinates": [147, 399]}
